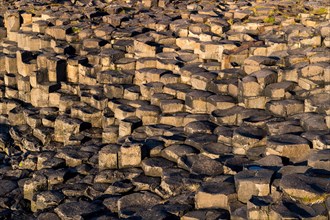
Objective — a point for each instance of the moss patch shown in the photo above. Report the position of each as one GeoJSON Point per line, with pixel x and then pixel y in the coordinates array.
{"type": "Point", "coordinates": [320, 11]}
{"type": "Point", "coordinates": [76, 29]}
{"type": "Point", "coordinates": [270, 20]}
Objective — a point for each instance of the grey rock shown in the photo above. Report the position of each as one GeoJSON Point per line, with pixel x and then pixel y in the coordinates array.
{"type": "Point", "coordinates": [155, 166]}
{"type": "Point", "coordinates": [137, 202]}
{"type": "Point", "coordinates": [320, 159]}
{"type": "Point", "coordinates": [215, 150]}
{"type": "Point", "coordinates": [175, 181]}
{"type": "Point", "coordinates": [123, 186]}
{"type": "Point", "coordinates": [206, 214]}
{"type": "Point", "coordinates": [48, 199]}
{"type": "Point", "coordinates": [308, 190]}
{"type": "Point", "coordinates": [291, 146]}
{"type": "Point", "coordinates": [143, 182]}
{"type": "Point", "coordinates": [48, 215]}
{"type": "Point", "coordinates": [289, 209]}
{"type": "Point", "coordinates": [73, 210]}
{"type": "Point", "coordinates": [197, 140]}
{"type": "Point", "coordinates": [252, 182]}
{"type": "Point", "coordinates": [258, 207]}
{"type": "Point", "coordinates": [199, 127]}
{"type": "Point", "coordinates": [176, 151]}
{"type": "Point", "coordinates": [201, 164]}
{"type": "Point", "coordinates": [215, 195]}
{"type": "Point", "coordinates": [7, 186]}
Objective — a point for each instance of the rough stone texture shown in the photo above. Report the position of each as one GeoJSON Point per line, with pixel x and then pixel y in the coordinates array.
{"type": "Point", "coordinates": [215, 195]}
{"type": "Point", "coordinates": [308, 190]}
{"type": "Point", "coordinates": [293, 147]}
{"type": "Point", "coordinates": [76, 210]}
{"type": "Point", "coordinates": [163, 109]}
{"type": "Point", "coordinates": [320, 160]}
{"type": "Point", "coordinates": [252, 182]}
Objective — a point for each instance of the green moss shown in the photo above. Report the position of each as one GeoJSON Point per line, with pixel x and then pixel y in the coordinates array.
{"type": "Point", "coordinates": [314, 200]}
{"type": "Point", "coordinates": [276, 12]}
{"type": "Point", "coordinates": [271, 12]}
{"type": "Point", "coordinates": [55, 5]}
{"type": "Point", "coordinates": [30, 11]}
{"type": "Point", "coordinates": [74, 22]}
{"type": "Point", "coordinates": [254, 10]}
{"type": "Point", "coordinates": [320, 11]}
{"type": "Point", "coordinates": [270, 20]}
{"type": "Point", "coordinates": [246, 21]}
{"type": "Point", "coordinates": [76, 29]}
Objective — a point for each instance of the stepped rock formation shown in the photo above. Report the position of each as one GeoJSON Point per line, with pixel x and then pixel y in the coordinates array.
{"type": "Point", "coordinates": [164, 109]}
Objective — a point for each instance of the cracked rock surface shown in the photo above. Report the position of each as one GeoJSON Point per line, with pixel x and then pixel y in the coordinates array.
{"type": "Point", "coordinates": [164, 109]}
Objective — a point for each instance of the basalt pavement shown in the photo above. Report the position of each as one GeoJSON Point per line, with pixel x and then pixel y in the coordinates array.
{"type": "Point", "coordinates": [165, 109]}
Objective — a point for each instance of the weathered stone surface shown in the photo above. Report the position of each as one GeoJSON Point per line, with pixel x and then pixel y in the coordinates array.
{"type": "Point", "coordinates": [65, 126]}
{"type": "Point", "coordinates": [201, 164]}
{"type": "Point", "coordinates": [252, 182]}
{"type": "Point", "coordinates": [76, 210]}
{"type": "Point", "coordinates": [254, 63]}
{"type": "Point", "coordinates": [33, 185]}
{"type": "Point", "coordinates": [7, 187]}
{"type": "Point", "coordinates": [72, 156]}
{"type": "Point", "coordinates": [108, 157]}
{"type": "Point", "coordinates": [160, 109]}
{"type": "Point", "coordinates": [291, 146]}
{"type": "Point", "coordinates": [288, 209]}
{"type": "Point", "coordinates": [136, 202]}
{"type": "Point", "coordinates": [129, 155]}
{"type": "Point", "coordinates": [87, 114]}
{"type": "Point", "coordinates": [246, 137]}
{"type": "Point", "coordinates": [128, 125]}
{"type": "Point", "coordinates": [196, 101]}
{"type": "Point", "coordinates": [176, 151]}
{"type": "Point", "coordinates": [123, 186]}
{"type": "Point", "coordinates": [48, 199]}
{"type": "Point", "coordinates": [317, 103]}
{"type": "Point", "coordinates": [285, 108]}
{"type": "Point", "coordinates": [279, 90]}
{"type": "Point", "coordinates": [206, 214]}
{"type": "Point", "coordinates": [110, 134]}
{"type": "Point", "coordinates": [199, 139]}
{"type": "Point", "coordinates": [226, 116]}
{"type": "Point", "coordinates": [215, 195]}
{"type": "Point", "coordinates": [284, 127]}
{"type": "Point", "coordinates": [320, 159]}
{"type": "Point", "coordinates": [48, 215]}
{"type": "Point", "coordinates": [216, 150]}
{"type": "Point", "coordinates": [155, 166]}
{"type": "Point", "coordinates": [199, 127]}
{"type": "Point", "coordinates": [308, 190]}
{"type": "Point", "coordinates": [175, 181]}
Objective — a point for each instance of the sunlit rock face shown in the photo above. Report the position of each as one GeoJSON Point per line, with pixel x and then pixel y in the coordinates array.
{"type": "Point", "coordinates": [163, 109]}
